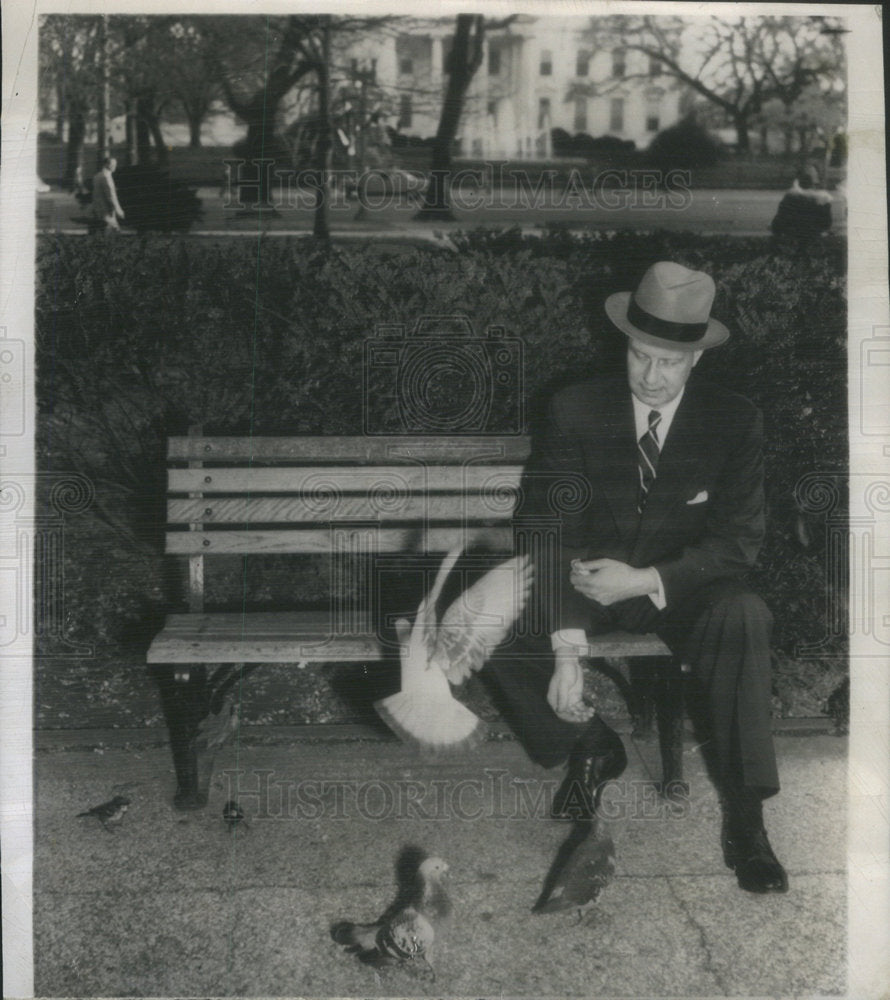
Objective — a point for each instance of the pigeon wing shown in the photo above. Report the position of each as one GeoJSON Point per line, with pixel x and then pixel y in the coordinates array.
{"type": "Point", "coordinates": [478, 621]}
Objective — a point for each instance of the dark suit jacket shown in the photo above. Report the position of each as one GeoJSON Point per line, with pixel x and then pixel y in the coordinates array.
{"type": "Point", "coordinates": [713, 448]}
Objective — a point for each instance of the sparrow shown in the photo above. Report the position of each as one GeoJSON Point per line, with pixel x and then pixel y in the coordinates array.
{"type": "Point", "coordinates": [584, 866]}
{"type": "Point", "coordinates": [233, 816]}
{"type": "Point", "coordinates": [110, 813]}
{"type": "Point", "coordinates": [434, 655]}
{"type": "Point", "coordinates": [407, 930]}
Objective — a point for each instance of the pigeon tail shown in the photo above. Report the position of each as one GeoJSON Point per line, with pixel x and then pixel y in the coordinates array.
{"type": "Point", "coordinates": [358, 937]}
{"type": "Point", "coordinates": [431, 725]}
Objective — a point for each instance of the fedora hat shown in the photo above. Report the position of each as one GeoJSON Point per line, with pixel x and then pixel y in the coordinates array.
{"type": "Point", "coordinates": [670, 308]}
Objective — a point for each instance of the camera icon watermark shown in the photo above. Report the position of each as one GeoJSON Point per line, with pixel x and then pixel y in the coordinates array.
{"type": "Point", "coordinates": [441, 378]}
{"type": "Point", "coordinates": [12, 387]}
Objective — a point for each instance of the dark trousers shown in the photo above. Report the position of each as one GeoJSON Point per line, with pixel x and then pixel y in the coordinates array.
{"type": "Point", "coordinates": [722, 632]}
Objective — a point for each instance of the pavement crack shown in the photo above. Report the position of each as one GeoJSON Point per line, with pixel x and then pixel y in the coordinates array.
{"type": "Point", "coordinates": [709, 963]}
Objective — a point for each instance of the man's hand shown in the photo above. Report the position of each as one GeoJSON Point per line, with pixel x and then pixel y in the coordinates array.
{"type": "Point", "coordinates": [567, 686]}
{"type": "Point", "coordinates": [607, 580]}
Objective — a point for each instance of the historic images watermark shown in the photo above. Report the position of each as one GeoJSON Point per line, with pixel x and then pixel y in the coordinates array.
{"type": "Point", "coordinates": [498, 795]}
{"type": "Point", "coordinates": [262, 183]}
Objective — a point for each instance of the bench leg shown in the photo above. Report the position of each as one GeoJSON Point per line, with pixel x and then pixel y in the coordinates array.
{"type": "Point", "coordinates": [200, 717]}
{"type": "Point", "coordinates": [669, 703]}
{"type": "Point", "coordinates": [643, 676]}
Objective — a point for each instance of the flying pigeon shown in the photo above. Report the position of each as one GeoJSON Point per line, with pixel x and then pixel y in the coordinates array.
{"type": "Point", "coordinates": [432, 655]}
{"type": "Point", "coordinates": [407, 930]}
{"type": "Point", "coordinates": [110, 813]}
{"type": "Point", "coordinates": [584, 866]}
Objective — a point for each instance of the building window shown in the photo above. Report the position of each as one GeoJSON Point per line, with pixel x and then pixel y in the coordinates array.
{"type": "Point", "coordinates": [405, 111]}
{"type": "Point", "coordinates": [619, 67]}
{"type": "Point", "coordinates": [543, 111]}
{"type": "Point", "coordinates": [372, 72]}
{"type": "Point", "coordinates": [580, 114]}
{"type": "Point", "coordinates": [582, 63]}
{"type": "Point", "coordinates": [476, 148]}
{"type": "Point", "coordinates": [493, 111]}
{"type": "Point", "coordinates": [406, 66]}
{"type": "Point", "coordinates": [546, 63]}
{"type": "Point", "coordinates": [654, 66]}
{"type": "Point", "coordinates": [616, 114]}
{"type": "Point", "coordinates": [494, 62]}
{"type": "Point", "coordinates": [653, 109]}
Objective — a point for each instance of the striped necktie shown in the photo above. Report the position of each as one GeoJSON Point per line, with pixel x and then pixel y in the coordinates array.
{"type": "Point", "coordinates": [647, 458]}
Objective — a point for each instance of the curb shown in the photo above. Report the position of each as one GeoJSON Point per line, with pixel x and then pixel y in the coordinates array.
{"type": "Point", "coordinates": [60, 740]}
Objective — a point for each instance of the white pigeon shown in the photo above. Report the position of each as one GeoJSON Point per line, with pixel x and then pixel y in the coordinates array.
{"type": "Point", "coordinates": [476, 623]}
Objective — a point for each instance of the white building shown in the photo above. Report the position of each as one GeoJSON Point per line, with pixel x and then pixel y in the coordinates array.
{"type": "Point", "coordinates": [536, 74]}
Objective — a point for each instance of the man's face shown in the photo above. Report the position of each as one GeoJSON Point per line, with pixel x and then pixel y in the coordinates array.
{"type": "Point", "coordinates": [657, 374]}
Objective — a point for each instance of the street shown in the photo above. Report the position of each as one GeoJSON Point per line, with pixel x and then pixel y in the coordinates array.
{"type": "Point", "coordinates": [735, 212]}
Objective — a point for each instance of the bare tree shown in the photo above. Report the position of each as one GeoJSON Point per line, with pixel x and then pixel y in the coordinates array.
{"type": "Point", "coordinates": [735, 63]}
{"type": "Point", "coordinates": [68, 78]}
{"type": "Point", "coordinates": [276, 56]}
{"type": "Point", "coordinates": [462, 62]}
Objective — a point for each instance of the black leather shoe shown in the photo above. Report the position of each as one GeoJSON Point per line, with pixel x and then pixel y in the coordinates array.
{"type": "Point", "coordinates": [749, 854]}
{"type": "Point", "coordinates": [598, 757]}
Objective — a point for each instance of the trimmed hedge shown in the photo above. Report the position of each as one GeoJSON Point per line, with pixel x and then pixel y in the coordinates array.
{"type": "Point", "coordinates": [138, 339]}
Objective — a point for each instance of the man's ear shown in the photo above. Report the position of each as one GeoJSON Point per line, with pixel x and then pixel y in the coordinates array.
{"type": "Point", "coordinates": [695, 357]}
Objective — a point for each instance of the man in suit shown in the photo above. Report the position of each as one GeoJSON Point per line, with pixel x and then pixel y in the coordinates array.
{"type": "Point", "coordinates": [668, 518]}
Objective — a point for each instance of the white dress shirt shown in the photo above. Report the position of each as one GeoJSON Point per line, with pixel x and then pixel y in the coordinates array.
{"type": "Point", "coordinates": [576, 636]}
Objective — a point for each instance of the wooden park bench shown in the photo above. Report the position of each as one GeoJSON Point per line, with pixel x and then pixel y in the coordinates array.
{"type": "Point", "coordinates": [350, 499]}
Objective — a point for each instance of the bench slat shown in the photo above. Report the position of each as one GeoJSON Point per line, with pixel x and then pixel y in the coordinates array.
{"type": "Point", "coordinates": [321, 540]}
{"type": "Point", "coordinates": [319, 479]}
{"type": "Point", "coordinates": [366, 450]}
{"type": "Point", "coordinates": [265, 637]}
{"type": "Point", "coordinates": [338, 508]}
{"type": "Point", "coordinates": [287, 636]}
{"type": "Point", "coordinates": [626, 644]}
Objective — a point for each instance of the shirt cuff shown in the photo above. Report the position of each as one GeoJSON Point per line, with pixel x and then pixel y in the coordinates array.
{"type": "Point", "coordinates": [659, 599]}
{"type": "Point", "coordinates": [573, 637]}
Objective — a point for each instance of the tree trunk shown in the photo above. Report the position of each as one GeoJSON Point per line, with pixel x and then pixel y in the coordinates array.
{"type": "Point", "coordinates": [195, 122]}
{"type": "Point", "coordinates": [60, 112]}
{"type": "Point", "coordinates": [154, 127]}
{"type": "Point", "coordinates": [77, 126]}
{"type": "Point", "coordinates": [104, 95]}
{"type": "Point", "coordinates": [143, 132]}
{"type": "Point", "coordinates": [464, 60]}
{"type": "Point", "coordinates": [320, 228]}
{"type": "Point", "coordinates": [743, 144]}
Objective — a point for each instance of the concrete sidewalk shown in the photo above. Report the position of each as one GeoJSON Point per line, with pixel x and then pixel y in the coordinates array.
{"type": "Point", "coordinates": [172, 904]}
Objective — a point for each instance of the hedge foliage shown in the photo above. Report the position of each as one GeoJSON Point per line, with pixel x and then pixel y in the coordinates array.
{"type": "Point", "coordinates": [137, 339]}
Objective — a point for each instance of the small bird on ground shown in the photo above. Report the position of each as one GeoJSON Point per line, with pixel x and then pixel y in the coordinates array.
{"type": "Point", "coordinates": [433, 655]}
{"type": "Point", "coordinates": [408, 929]}
{"type": "Point", "coordinates": [233, 816]}
{"type": "Point", "coordinates": [584, 866]}
{"type": "Point", "coordinates": [111, 813]}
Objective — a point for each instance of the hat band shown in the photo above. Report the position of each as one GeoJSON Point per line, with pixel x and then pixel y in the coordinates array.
{"type": "Point", "coordinates": [683, 332]}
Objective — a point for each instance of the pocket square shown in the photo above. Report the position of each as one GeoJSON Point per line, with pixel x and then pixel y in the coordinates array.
{"type": "Point", "coordinates": [700, 497]}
